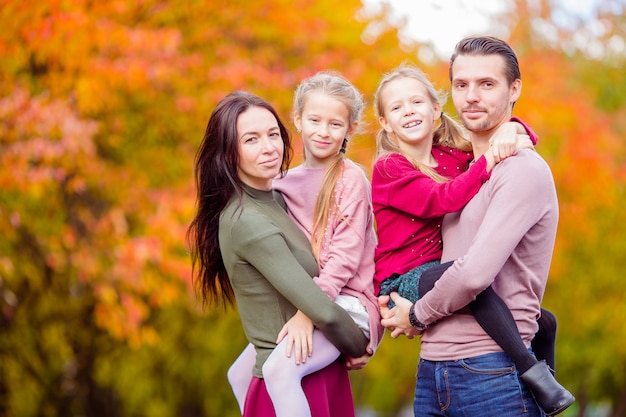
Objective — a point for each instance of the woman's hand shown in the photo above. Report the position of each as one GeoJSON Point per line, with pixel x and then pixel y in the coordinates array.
{"type": "Point", "coordinates": [299, 332]}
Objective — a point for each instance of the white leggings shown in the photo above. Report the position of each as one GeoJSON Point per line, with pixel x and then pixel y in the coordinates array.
{"type": "Point", "coordinates": [281, 374]}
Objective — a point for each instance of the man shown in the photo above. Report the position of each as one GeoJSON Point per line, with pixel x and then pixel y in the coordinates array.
{"type": "Point", "coordinates": [503, 238]}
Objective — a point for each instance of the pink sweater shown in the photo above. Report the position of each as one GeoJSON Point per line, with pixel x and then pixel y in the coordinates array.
{"type": "Point", "coordinates": [347, 254]}
{"type": "Point", "coordinates": [505, 237]}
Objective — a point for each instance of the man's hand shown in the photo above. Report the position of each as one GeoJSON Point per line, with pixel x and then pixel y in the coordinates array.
{"type": "Point", "coordinates": [299, 332]}
{"type": "Point", "coordinates": [383, 306]}
{"type": "Point", "coordinates": [397, 318]}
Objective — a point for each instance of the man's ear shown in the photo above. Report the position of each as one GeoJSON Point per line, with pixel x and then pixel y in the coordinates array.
{"type": "Point", "coordinates": [515, 91]}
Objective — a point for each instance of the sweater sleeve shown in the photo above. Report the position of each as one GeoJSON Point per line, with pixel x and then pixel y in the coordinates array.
{"type": "Point", "coordinates": [515, 206]}
{"type": "Point", "coordinates": [396, 183]}
{"type": "Point", "coordinates": [531, 133]}
{"type": "Point", "coordinates": [272, 257]}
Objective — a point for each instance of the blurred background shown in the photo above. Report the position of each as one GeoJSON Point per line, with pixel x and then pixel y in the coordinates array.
{"type": "Point", "coordinates": [103, 105]}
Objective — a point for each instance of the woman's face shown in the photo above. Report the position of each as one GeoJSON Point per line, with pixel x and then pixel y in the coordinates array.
{"type": "Point", "coordinates": [260, 148]}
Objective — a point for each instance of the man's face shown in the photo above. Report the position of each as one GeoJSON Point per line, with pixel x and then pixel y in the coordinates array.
{"type": "Point", "coordinates": [481, 93]}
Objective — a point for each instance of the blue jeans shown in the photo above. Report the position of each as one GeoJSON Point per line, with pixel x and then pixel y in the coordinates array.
{"type": "Point", "coordinates": [482, 386]}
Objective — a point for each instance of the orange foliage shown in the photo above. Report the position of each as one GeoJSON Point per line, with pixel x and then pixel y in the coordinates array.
{"type": "Point", "coordinates": [106, 103]}
{"type": "Point", "coordinates": [102, 106]}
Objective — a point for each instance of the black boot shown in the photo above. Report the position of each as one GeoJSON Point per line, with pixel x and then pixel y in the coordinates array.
{"type": "Point", "coordinates": [548, 393]}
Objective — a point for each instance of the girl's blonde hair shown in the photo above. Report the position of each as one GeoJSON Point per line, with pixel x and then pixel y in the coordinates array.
{"type": "Point", "coordinates": [336, 86]}
{"type": "Point", "coordinates": [448, 133]}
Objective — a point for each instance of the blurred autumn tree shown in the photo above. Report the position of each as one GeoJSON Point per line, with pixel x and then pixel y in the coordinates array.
{"type": "Point", "coordinates": [102, 105]}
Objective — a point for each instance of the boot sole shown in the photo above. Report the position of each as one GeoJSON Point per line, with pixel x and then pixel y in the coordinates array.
{"type": "Point", "coordinates": [562, 408]}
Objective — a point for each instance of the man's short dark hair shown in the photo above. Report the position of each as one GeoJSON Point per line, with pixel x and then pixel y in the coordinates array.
{"type": "Point", "coordinates": [488, 45]}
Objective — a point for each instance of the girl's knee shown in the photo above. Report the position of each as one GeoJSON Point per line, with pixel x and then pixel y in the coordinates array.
{"type": "Point", "coordinates": [270, 369]}
{"type": "Point", "coordinates": [547, 322]}
{"type": "Point", "coordinates": [234, 376]}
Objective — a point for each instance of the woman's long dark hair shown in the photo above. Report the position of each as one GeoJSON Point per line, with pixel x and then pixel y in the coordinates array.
{"type": "Point", "coordinates": [215, 173]}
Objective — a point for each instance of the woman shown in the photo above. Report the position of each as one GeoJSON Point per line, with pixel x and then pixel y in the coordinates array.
{"type": "Point", "coordinates": [329, 197]}
{"type": "Point", "coordinates": [246, 248]}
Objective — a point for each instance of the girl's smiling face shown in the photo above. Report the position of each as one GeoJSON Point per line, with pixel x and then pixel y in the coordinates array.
{"type": "Point", "coordinates": [325, 123]}
{"type": "Point", "coordinates": [409, 113]}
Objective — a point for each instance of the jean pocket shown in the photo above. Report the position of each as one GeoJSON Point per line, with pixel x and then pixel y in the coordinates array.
{"type": "Point", "coordinates": [486, 365]}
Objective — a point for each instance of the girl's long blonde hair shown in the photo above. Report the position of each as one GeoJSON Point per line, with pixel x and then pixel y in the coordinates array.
{"type": "Point", "coordinates": [336, 86]}
{"type": "Point", "coordinates": [448, 133]}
